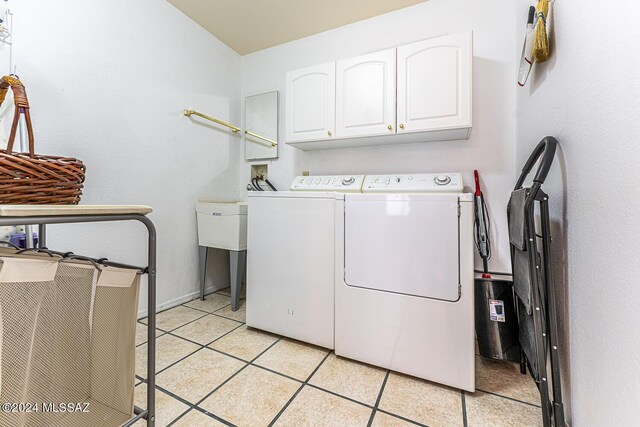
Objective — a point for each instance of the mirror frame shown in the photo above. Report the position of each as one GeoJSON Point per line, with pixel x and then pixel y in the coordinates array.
{"type": "Point", "coordinates": [273, 152]}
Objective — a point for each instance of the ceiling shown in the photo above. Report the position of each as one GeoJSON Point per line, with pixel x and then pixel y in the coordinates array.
{"type": "Point", "coordinates": [251, 25]}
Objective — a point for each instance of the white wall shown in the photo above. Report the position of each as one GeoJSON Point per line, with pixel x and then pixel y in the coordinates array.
{"type": "Point", "coordinates": [491, 147]}
{"type": "Point", "coordinates": [588, 96]}
{"type": "Point", "coordinates": [107, 81]}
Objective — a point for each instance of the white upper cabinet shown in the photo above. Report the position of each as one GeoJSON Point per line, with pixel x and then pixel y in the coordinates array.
{"type": "Point", "coordinates": [417, 92]}
{"type": "Point", "coordinates": [311, 103]}
{"type": "Point", "coordinates": [434, 84]}
{"type": "Point", "coordinates": [366, 95]}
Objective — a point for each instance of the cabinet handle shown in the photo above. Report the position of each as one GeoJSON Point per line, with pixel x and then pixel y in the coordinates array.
{"type": "Point", "coordinates": [401, 125]}
{"type": "Point", "coordinates": [390, 127]}
{"type": "Point", "coordinates": [329, 133]}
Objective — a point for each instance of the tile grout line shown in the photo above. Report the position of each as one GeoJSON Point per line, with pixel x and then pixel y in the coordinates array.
{"type": "Point", "coordinates": [401, 417]}
{"type": "Point", "coordinates": [179, 398]}
{"type": "Point", "coordinates": [223, 335]}
{"type": "Point", "coordinates": [214, 312]}
{"type": "Point", "coordinates": [464, 408]}
{"type": "Point", "coordinates": [183, 305]}
{"type": "Point", "coordinates": [205, 313]}
{"type": "Point", "coordinates": [206, 414]}
{"type": "Point", "coordinates": [198, 344]}
{"type": "Point", "coordinates": [509, 398]}
{"type": "Point", "coordinates": [164, 332]}
{"type": "Point", "coordinates": [214, 416]}
{"type": "Point", "coordinates": [318, 367]}
{"type": "Point", "coordinates": [195, 406]}
{"type": "Point", "coordinates": [315, 386]}
{"type": "Point", "coordinates": [164, 311]}
{"type": "Point", "coordinates": [216, 389]}
{"type": "Point", "coordinates": [340, 395]}
{"type": "Point", "coordinates": [191, 321]}
{"type": "Point", "coordinates": [215, 350]}
{"type": "Point", "coordinates": [158, 336]}
{"type": "Point", "coordinates": [286, 405]}
{"type": "Point", "coordinates": [145, 338]}
{"type": "Point", "coordinates": [331, 392]}
{"type": "Point", "coordinates": [208, 312]}
{"type": "Point", "coordinates": [284, 408]}
{"type": "Point", "coordinates": [231, 377]}
{"type": "Point", "coordinates": [251, 363]}
{"type": "Point", "coordinates": [375, 406]}
{"type": "Point", "coordinates": [171, 365]}
{"type": "Point", "coordinates": [206, 346]}
{"type": "Point", "coordinates": [220, 290]}
{"type": "Point", "coordinates": [276, 372]}
{"type": "Point", "coordinates": [302, 384]}
{"type": "Point", "coordinates": [361, 403]}
{"type": "Point", "coordinates": [175, 420]}
{"type": "Point", "coordinates": [208, 343]}
{"type": "Point", "coordinates": [173, 395]}
{"type": "Point", "coordinates": [184, 324]}
{"type": "Point", "coordinates": [305, 383]}
{"type": "Point", "coordinates": [186, 402]}
{"type": "Point", "coordinates": [195, 351]}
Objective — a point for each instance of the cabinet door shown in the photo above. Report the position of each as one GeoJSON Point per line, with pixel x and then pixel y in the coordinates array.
{"type": "Point", "coordinates": [434, 83]}
{"type": "Point", "coordinates": [311, 103]}
{"type": "Point", "coordinates": [366, 95]}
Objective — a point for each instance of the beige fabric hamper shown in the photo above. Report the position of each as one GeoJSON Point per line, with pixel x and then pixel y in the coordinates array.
{"type": "Point", "coordinates": [67, 341]}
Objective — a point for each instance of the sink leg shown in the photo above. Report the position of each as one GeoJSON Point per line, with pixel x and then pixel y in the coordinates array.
{"type": "Point", "coordinates": [237, 260]}
{"type": "Point", "coordinates": [202, 251]}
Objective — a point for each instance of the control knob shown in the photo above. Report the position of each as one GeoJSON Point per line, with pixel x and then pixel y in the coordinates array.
{"type": "Point", "coordinates": [348, 181]}
{"type": "Point", "coordinates": [442, 180]}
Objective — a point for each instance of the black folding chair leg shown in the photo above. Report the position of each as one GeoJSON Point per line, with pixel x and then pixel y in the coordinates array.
{"type": "Point", "coordinates": [558, 408]}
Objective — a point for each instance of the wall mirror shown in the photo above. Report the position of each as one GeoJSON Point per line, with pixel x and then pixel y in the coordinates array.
{"type": "Point", "coordinates": [261, 126]}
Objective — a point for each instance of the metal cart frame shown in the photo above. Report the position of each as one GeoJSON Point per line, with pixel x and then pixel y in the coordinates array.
{"type": "Point", "coordinates": [544, 313]}
{"type": "Point", "coordinates": [43, 220]}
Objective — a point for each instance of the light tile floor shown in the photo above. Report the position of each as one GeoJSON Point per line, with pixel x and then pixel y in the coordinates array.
{"type": "Point", "coordinates": [213, 370]}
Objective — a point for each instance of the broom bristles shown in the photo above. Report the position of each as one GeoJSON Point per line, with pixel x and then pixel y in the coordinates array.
{"type": "Point", "coordinates": [540, 42]}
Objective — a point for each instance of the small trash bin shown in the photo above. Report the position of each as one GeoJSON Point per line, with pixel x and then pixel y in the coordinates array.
{"type": "Point", "coordinates": [496, 320]}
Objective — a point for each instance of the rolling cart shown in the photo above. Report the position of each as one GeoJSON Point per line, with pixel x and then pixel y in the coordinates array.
{"type": "Point", "coordinates": [531, 260]}
{"type": "Point", "coordinates": [69, 214]}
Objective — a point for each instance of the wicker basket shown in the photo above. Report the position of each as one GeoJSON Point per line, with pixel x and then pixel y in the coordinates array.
{"type": "Point", "coordinates": [29, 178]}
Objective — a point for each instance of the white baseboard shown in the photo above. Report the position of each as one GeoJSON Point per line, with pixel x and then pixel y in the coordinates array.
{"type": "Point", "coordinates": [177, 301]}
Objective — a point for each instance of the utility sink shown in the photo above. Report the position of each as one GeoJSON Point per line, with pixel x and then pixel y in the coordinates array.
{"type": "Point", "coordinates": [223, 225]}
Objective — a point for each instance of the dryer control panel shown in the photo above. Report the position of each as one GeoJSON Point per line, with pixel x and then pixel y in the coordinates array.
{"type": "Point", "coordinates": [414, 183]}
{"type": "Point", "coordinates": [339, 183]}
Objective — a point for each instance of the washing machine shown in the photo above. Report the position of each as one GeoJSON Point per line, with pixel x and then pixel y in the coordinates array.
{"type": "Point", "coordinates": [404, 277]}
{"type": "Point", "coordinates": [291, 258]}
